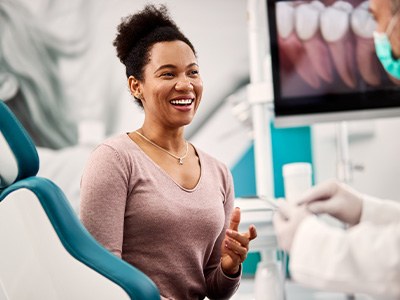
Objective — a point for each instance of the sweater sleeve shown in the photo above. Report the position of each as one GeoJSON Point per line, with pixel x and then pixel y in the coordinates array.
{"type": "Point", "coordinates": [219, 285]}
{"type": "Point", "coordinates": [103, 197]}
{"type": "Point", "coordinates": [363, 259]}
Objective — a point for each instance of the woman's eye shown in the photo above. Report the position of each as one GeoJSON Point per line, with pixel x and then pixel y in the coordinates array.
{"type": "Point", "coordinates": [167, 74]}
{"type": "Point", "coordinates": [194, 72]}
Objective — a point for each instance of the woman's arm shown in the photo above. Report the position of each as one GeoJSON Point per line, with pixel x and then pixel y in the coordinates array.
{"type": "Point", "coordinates": [104, 189]}
{"type": "Point", "coordinates": [219, 285]}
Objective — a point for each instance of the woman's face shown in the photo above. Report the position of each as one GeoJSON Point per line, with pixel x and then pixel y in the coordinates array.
{"type": "Point", "coordinates": [382, 13]}
{"type": "Point", "coordinates": [172, 87]}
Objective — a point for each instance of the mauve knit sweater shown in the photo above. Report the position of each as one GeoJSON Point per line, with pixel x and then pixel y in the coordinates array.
{"type": "Point", "coordinates": [172, 234]}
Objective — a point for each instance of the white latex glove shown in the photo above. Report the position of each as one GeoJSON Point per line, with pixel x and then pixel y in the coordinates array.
{"type": "Point", "coordinates": [336, 199]}
{"type": "Point", "coordinates": [286, 222]}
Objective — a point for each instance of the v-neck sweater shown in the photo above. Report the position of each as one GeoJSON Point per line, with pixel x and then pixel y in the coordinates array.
{"type": "Point", "coordinates": [172, 234]}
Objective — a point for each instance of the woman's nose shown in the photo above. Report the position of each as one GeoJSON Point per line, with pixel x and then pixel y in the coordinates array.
{"type": "Point", "coordinates": [184, 84]}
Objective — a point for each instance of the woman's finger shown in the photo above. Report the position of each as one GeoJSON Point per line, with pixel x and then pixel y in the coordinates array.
{"type": "Point", "coordinates": [241, 238]}
{"type": "Point", "coordinates": [235, 219]}
{"type": "Point", "coordinates": [236, 247]}
{"type": "Point", "coordinates": [236, 259]}
{"type": "Point", "coordinates": [252, 232]}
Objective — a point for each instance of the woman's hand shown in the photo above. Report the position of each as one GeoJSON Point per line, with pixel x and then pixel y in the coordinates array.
{"type": "Point", "coordinates": [235, 245]}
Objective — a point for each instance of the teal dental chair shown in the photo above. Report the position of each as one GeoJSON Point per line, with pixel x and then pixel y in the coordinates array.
{"type": "Point", "coordinates": [45, 252]}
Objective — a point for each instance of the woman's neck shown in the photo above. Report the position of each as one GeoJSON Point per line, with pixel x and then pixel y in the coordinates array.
{"type": "Point", "coordinates": [169, 139]}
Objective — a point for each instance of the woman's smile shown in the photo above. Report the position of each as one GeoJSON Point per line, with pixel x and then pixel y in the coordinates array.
{"type": "Point", "coordinates": [182, 103]}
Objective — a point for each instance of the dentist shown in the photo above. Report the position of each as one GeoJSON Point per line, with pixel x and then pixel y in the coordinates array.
{"type": "Point", "coordinates": [387, 34]}
{"type": "Point", "coordinates": [365, 258]}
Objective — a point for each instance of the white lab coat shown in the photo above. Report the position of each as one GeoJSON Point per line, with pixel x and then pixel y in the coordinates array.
{"type": "Point", "coordinates": [362, 259]}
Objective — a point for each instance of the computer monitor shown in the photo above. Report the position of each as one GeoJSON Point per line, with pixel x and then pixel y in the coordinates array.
{"type": "Point", "coordinates": [324, 64]}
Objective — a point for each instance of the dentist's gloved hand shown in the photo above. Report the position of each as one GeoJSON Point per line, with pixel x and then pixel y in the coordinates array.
{"type": "Point", "coordinates": [286, 221]}
{"type": "Point", "coordinates": [336, 199]}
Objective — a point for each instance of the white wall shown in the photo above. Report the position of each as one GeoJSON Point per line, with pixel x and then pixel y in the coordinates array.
{"type": "Point", "coordinates": [375, 144]}
{"type": "Point", "coordinates": [224, 136]}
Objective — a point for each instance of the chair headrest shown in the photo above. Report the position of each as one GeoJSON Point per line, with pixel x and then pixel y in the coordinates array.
{"type": "Point", "coordinates": [18, 155]}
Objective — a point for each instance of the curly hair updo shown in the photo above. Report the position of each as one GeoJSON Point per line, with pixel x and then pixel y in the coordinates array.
{"type": "Point", "coordinates": [137, 33]}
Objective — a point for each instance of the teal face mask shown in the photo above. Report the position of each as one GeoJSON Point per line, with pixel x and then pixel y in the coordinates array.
{"type": "Point", "coordinates": [383, 50]}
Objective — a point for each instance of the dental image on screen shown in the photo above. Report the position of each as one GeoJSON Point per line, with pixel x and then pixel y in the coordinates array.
{"type": "Point", "coordinates": [324, 58]}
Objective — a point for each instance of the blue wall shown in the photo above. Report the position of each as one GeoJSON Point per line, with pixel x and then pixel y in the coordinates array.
{"type": "Point", "coordinates": [244, 175]}
{"type": "Point", "coordinates": [288, 145]}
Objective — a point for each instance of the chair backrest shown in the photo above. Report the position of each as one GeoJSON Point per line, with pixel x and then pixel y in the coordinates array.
{"type": "Point", "coordinates": [45, 251]}
{"type": "Point", "coordinates": [18, 158]}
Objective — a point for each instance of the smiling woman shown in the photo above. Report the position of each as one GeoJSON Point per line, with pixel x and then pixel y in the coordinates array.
{"type": "Point", "coordinates": [150, 196]}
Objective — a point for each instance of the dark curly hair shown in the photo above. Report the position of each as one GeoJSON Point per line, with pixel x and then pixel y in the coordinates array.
{"type": "Point", "coordinates": [137, 33]}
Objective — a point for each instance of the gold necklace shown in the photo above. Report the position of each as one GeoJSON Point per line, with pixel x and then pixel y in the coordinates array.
{"type": "Point", "coordinates": [180, 159]}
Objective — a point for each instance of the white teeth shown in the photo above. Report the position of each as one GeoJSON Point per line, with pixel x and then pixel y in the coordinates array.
{"type": "Point", "coordinates": [317, 5]}
{"type": "Point", "coordinates": [343, 5]}
{"type": "Point", "coordinates": [362, 22]}
{"type": "Point", "coordinates": [284, 19]}
{"type": "Point", "coordinates": [307, 21]}
{"type": "Point", "coordinates": [339, 15]}
{"type": "Point", "coordinates": [364, 5]}
{"type": "Point", "coordinates": [182, 102]}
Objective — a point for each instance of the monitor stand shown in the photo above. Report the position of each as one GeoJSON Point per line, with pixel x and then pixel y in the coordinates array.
{"type": "Point", "coordinates": [343, 164]}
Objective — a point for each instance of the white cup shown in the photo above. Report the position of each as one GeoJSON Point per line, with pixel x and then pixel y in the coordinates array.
{"type": "Point", "coordinates": [297, 180]}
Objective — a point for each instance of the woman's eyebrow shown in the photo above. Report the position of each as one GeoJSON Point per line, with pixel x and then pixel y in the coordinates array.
{"type": "Point", "coordinates": [168, 66]}
{"type": "Point", "coordinates": [192, 65]}
{"type": "Point", "coordinates": [171, 66]}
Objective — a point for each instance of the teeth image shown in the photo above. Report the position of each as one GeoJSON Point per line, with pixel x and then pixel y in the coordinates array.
{"type": "Point", "coordinates": [285, 19]}
{"type": "Point", "coordinates": [307, 21]}
{"type": "Point", "coordinates": [343, 5]}
{"type": "Point", "coordinates": [332, 15]}
{"type": "Point", "coordinates": [317, 5]}
{"type": "Point", "coordinates": [362, 22]}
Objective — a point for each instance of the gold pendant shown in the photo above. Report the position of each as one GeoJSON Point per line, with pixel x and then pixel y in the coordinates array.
{"type": "Point", "coordinates": [181, 160]}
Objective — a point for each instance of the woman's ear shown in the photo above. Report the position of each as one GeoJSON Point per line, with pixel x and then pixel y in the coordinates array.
{"type": "Point", "coordinates": [135, 87]}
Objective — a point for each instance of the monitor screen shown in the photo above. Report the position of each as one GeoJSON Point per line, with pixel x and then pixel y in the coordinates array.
{"type": "Point", "coordinates": [324, 64]}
